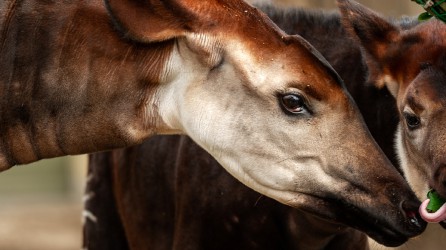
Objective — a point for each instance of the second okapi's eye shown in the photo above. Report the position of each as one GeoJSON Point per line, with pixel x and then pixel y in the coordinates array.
{"type": "Point", "coordinates": [425, 65]}
{"type": "Point", "coordinates": [293, 103]}
{"type": "Point", "coordinates": [412, 120]}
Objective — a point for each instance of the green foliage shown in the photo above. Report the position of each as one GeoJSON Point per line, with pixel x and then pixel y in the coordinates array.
{"type": "Point", "coordinates": [435, 201]}
{"type": "Point", "coordinates": [434, 8]}
{"type": "Point", "coordinates": [424, 16]}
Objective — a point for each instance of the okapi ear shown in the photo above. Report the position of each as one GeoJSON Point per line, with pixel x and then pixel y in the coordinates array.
{"type": "Point", "coordinates": [150, 20]}
{"type": "Point", "coordinates": [374, 34]}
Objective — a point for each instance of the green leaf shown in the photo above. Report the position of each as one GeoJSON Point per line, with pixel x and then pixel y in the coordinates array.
{"type": "Point", "coordinates": [435, 201]}
{"type": "Point", "coordinates": [424, 16]}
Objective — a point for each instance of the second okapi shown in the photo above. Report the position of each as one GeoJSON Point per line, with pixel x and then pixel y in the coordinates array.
{"type": "Point", "coordinates": [410, 61]}
{"type": "Point", "coordinates": [167, 194]}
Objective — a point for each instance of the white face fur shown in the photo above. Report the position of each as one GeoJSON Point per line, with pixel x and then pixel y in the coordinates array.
{"type": "Point", "coordinates": [414, 173]}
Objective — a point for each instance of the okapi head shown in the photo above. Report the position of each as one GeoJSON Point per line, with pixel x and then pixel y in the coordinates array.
{"type": "Point", "coordinates": [410, 60]}
{"type": "Point", "coordinates": [265, 104]}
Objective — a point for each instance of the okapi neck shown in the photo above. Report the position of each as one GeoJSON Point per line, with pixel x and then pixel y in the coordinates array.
{"type": "Point", "coordinates": [70, 83]}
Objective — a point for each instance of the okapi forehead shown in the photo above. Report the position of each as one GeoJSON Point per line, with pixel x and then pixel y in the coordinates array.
{"type": "Point", "coordinates": [258, 41]}
{"type": "Point", "coordinates": [253, 27]}
{"type": "Point", "coordinates": [327, 66]}
{"type": "Point", "coordinates": [432, 31]}
{"type": "Point", "coordinates": [422, 48]}
{"type": "Point", "coordinates": [416, 48]}
{"type": "Point", "coordinates": [425, 41]}
{"type": "Point", "coordinates": [292, 64]}
{"type": "Point", "coordinates": [428, 90]}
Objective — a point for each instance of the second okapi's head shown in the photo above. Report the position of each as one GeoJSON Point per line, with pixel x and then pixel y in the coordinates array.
{"type": "Point", "coordinates": [271, 110]}
{"type": "Point", "coordinates": [410, 60]}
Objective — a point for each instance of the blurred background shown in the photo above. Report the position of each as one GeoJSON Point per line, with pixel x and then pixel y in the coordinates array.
{"type": "Point", "coordinates": [393, 8]}
{"type": "Point", "coordinates": [41, 203]}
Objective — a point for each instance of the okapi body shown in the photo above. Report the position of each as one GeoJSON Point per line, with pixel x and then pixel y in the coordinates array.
{"type": "Point", "coordinates": [85, 76]}
{"type": "Point", "coordinates": [168, 193]}
{"type": "Point", "coordinates": [155, 202]}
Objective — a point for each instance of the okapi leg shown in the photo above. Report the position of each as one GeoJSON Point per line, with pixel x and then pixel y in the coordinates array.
{"type": "Point", "coordinates": [102, 225]}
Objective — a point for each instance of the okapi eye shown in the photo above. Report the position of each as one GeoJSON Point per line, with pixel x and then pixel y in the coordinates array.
{"type": "Point", "coordinates": [293, 103]}
{"type": "Point", "coordinates": [412, 120]}
{"type": "Point", "coordinates": [425, 65]}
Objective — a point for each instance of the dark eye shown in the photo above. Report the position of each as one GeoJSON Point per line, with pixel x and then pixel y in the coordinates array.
{"type": "Point", "coordinates": [425, 65]}
{"type": "Point", "coordinates": [412, 120]}
{"type": "Point", "coordinates": [293, 103]}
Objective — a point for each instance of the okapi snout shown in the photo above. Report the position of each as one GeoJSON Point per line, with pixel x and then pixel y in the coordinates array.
{"type": "Point", "coordinates": [409, 208]}
{"type": "Point", "coordinates": [408, 211]}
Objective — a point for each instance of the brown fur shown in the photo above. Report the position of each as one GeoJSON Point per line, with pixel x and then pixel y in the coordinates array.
{"type": "Point", "coordinates": [54, 81]}
{"type": "Point", "coordinates": [64, 65]}
{"type": "Point", "coordinates": [170, 194]}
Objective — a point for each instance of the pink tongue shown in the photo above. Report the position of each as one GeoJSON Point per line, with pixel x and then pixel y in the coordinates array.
{"type": "Point", "coordinates": [438, 216]}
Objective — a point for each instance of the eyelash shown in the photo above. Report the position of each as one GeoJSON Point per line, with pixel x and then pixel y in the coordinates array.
{"type": "Point", "coordinates": [293, 104]}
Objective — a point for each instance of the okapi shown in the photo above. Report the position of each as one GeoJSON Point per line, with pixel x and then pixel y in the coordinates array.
{"type": "Point", "coordinates": [169, 194]}
{"type": "Point", "coordinates": [84, 76]}
{"type": "Point", "coordinates": [411, 64]}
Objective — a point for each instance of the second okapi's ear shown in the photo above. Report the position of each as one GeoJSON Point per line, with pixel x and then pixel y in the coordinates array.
{"type": "Point", "coordinates": [374, 34]}
{"type": "Point", "coordinates": [151, 20]}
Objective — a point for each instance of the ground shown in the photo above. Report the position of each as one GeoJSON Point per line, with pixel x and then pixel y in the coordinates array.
{"type": "Point", "coordinates": [40, 224]}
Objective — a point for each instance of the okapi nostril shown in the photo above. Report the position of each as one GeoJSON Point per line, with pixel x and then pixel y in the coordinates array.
{"type": "Point", "coordinates": [411, 214]}
{"type": "Point", "coordinates": [410, 210]}
{"type": "Point", "coordinates": [412, 217]}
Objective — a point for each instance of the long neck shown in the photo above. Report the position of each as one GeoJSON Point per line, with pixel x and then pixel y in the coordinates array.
{"type": "Point", "coordinates": [69, 84]}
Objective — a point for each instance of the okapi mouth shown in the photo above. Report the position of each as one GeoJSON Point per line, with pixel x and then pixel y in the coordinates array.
{"type": "Point", "coordinates": [386, 230]}
{"type": "Point", "coordinates": [439, 214]}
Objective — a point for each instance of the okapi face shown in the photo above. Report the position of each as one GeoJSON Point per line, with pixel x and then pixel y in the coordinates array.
{"type": "Point", "coordinates": [411, 62]}
{"type": "Point", "coordinates": [421, 138]}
